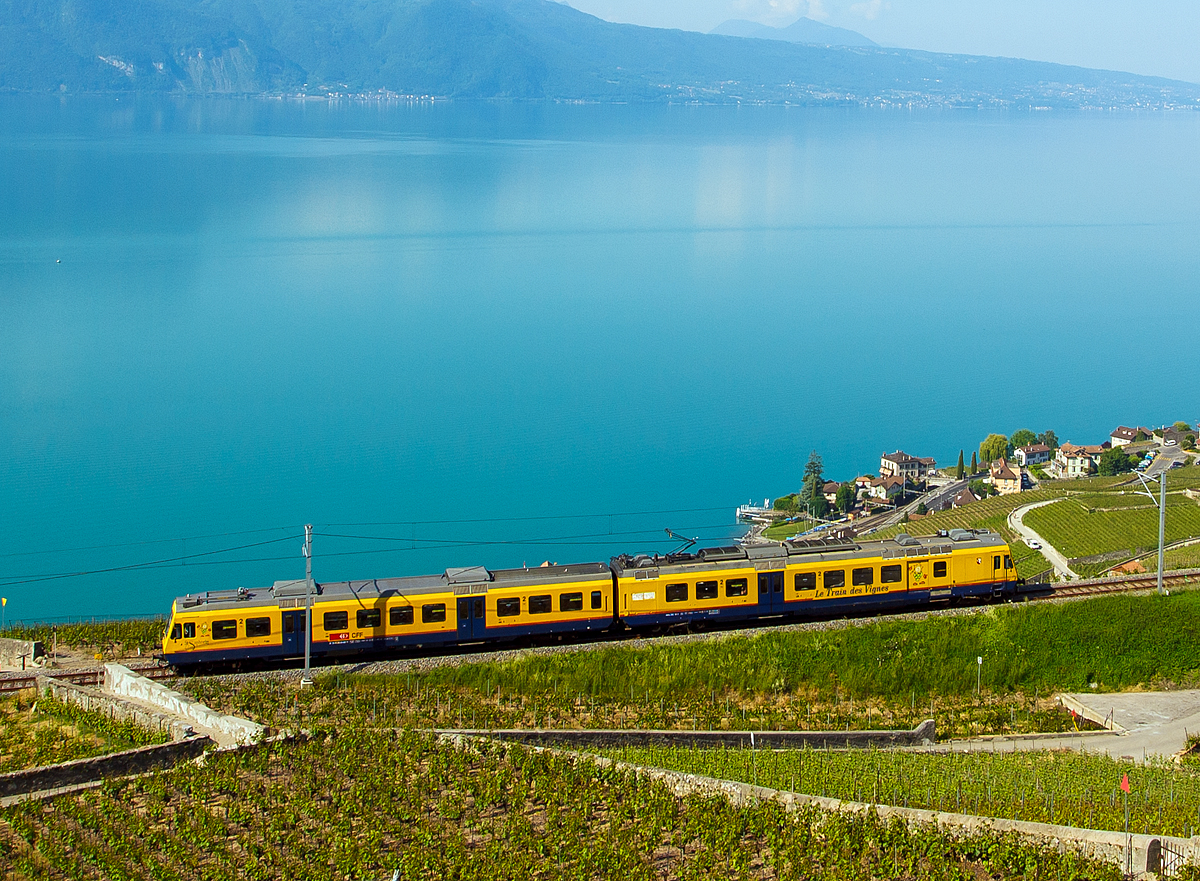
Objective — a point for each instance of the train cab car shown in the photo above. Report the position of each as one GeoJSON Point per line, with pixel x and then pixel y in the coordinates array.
{"type": "Point", "coordinates": [223, 625]}
{"type": "Point", "coordinates": [464, 605]}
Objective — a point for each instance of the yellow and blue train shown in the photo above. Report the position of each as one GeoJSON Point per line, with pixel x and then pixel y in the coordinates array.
{"type": "Point", "coordinates": [474, 605]}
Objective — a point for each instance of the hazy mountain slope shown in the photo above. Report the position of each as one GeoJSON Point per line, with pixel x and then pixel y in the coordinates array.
{"type": "Point", "coordinates": [804, 30]}
{"type": "Point", "coordinates": [523, 49]}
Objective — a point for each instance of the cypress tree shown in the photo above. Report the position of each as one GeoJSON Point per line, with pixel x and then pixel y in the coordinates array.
{"type": "Point", "coordinates": [961, 468]}
{"type": "Point", "coordinates": [974, 462]}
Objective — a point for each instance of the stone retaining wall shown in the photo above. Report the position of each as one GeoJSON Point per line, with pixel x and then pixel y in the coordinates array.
{"type": "Point", "coordinates": [923, 734]}
{"type": "Point", "coordinates": [120, 680]}
{"type": "Point", "coordinates": [20, 652]}
{"type": "Point", "coordinates": [83, 771]}
{"type": "Point", "coordinates": [114, 707]}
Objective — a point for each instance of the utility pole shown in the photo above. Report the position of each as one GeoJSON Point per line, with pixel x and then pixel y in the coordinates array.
{"type": "Point", "coordinates": [1162, 525]}
{"type": "Point", "coordinates": [306, 679]}
{"type": "Point", "coordinates": [1161, 501]}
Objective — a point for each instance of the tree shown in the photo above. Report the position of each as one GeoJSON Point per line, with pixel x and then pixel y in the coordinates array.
{"type": "Point", "coordinates": [1115, 461]}
{"type": "Point", "coordinates": [1140, 436]}
{"type": "Point", "coordinates": [982, 490]}
{"type": "Point", "coordinates": [1182, 426]}
{"type": "Point", "coordinates": [1049, 438]}
{"type": "Point", "coordinates": [812, 496]}
{"type": "Point", "coordinates": [994, 446]}
{"type": "Point", "coordinates": [974, 462]}
{"type": "Point", "coordinates": [960, 471]}
{"type": "Point", "coordinates": [847, 495]}
{"type": "Point", "coordinates": [814, 468]}
{"type": "Point", "coordinates": [922, 509]}
{"type": "Point", "coordinates": [1022, 438]}
{"type": "Point", "coordinates": [786, 503]}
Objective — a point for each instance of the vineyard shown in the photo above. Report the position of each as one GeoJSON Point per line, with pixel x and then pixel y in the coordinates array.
{"type": "Point", "coordinates": [362, 804]}
{"type": "Point", "coordinates": [45, 732]}
{"type": "Point", "coordinates": [120, 637]}
{"type": "Point", "coordinates": [1067, 788]}
{"type": "Point", "coordinates": [1095, 524]}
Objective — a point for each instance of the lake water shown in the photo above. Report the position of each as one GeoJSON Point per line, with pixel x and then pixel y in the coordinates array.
{"type": "Point", "coordinates": [503, 334]}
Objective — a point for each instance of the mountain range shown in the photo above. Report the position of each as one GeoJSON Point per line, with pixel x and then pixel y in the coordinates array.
{"type": "Point", "coordinates": [502, 49]}
{"type": "Point", "coordinates": [804, 30]}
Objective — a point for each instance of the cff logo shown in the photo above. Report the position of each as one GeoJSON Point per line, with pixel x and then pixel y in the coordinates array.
{"type": "Point", "coordinates": [338, 637]}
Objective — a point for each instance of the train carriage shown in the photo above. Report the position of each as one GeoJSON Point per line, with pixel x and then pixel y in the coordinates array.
{"type": "Point", "coordinates": [462, 605]}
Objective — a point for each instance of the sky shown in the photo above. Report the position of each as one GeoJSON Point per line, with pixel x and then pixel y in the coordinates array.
{"type": "Point", "coordinates": [1150, 37]}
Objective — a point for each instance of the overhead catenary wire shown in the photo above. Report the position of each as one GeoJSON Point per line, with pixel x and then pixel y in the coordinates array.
{"type": "Point", "coordinates": [299, 527]}
{"type": "Point", "coordinates": [418, 544]}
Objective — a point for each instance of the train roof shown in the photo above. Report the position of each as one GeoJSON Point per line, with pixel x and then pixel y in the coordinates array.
{"type": "Point", "coordinates": [467, 580]}
{"type": "Point", "coordinates": [460, 580]}
{"type": "Point", "coordinates": [815, 550]}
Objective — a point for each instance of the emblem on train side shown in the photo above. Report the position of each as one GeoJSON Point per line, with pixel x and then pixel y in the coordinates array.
{"type": "Point", "coordinates": [917, 573]}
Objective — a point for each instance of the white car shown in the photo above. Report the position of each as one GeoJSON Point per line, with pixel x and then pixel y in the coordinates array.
{"type": "Point", "coordinates": [1035, 544]}
{"type": "Point", "coordinates": [1170, 442]}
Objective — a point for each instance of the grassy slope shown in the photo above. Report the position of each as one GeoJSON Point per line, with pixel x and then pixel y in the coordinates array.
{"type": "Point", "coordinates": [1027, 647]}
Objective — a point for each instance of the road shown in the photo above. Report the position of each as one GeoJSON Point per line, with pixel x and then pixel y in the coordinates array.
{"type": "Point", "coordinates": [1017, 523]}
{"type": "Point", "coordinates": [1144, 726]}
{"type": "Point", "coordinates": [934, 499]}
{"type": "Point", "coordinates": [1167, 456]}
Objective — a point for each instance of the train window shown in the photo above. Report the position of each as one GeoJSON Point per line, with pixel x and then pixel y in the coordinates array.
{"type": "Point", "coordinates": [863, 577]}
{"type": "Point", "coordinates": [939, 568]}
{"type": "Point", "coordinates": [176, 632]}
{"type": "Point", "coordinates": [508, 607]}
{"type": "Point", "coordinates": [570, 602]}
{"type": "Point", "coordinates": [736, 587]}
{"type": "Point", "coordinates": [706, 590]}
{"type": "Point", "coordinates": [806, 581]}
{"type": "Point", "coordinates": [258, 626]}
{"type": "Point", "coordinates": [189, 630]}
{"type": "Point", "coordinates": [224, 630]}
{"type": "Point", "coordinates": [891, 574]}
{"type": "Point", "coordinates": [677, 593]}
{"type": "Point", "coordinates": [336, 620]}
{"type": "Point", "coordinates": [597, 599]}
{"type": "Point", "coordinates": [995, 562]}
{"type": "Point", "coordinates": [433, 613]}
{"type": "Point", "coordinates": [1007, 562]}
{"type": "Point", "coordinates": [398, 616]}
{"type": "Point", "coordinates": [541, 605]}
{"type": "Point", "coordinates": [835, 578]}
{"type": "Point", "coordinates": [368, 618]}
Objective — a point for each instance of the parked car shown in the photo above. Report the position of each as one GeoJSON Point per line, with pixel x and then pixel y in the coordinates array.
{"type": "Point", "coordinates": [1170, 442]}
{"type": "Point", "coordinates": [1035, 544]}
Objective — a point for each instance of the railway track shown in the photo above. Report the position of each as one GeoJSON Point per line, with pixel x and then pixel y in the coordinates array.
{"type": "Point", "coordinates": [90, 677]}
{"type": "Point", "coordinates": [1122, 584]}
{"type": "Point", "coordinates": [12, 682]}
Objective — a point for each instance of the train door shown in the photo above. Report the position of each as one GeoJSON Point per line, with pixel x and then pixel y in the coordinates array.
{"type": "Point", "coordinates": [770, 590]}
{"type": "Point", "coordinates": [472, 618]}
{"type": "Point", "coordinates": [293, 634]}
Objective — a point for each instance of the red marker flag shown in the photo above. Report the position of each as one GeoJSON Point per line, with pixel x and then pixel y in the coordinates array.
{"type": "Point", "coordinates": [1125, 783]}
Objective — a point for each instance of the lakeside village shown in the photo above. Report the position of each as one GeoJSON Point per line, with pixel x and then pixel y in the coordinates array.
{"type": "Point", "coordinates": [910, 487]}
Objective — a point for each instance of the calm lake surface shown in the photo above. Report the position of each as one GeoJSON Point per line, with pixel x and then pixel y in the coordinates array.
{"type": "Point", "coordinates": [486, 334]}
